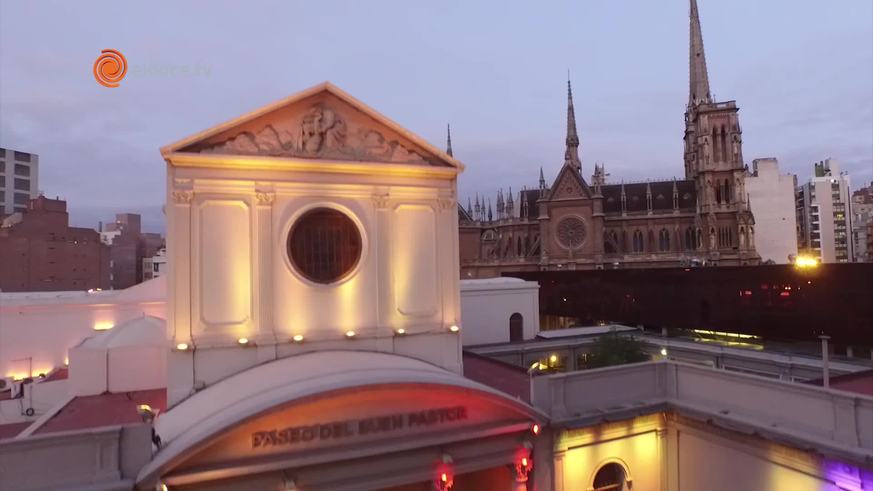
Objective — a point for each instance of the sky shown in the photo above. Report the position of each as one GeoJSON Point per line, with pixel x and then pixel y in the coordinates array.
{"type": "Point", "coordinates": [801, 72]}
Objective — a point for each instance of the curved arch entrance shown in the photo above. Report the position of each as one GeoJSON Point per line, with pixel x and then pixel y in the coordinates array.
{"type": "Point", "coordinates": [315, 421]}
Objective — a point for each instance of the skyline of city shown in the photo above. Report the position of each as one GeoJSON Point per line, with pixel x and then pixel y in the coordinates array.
{"type": "Point", "coordinates": [503, 143]}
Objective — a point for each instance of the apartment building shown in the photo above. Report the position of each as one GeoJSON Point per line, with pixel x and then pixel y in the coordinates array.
{"type": "Point", "coordinates": [19, 180]}
{"type": "Point", "coordinates": [824, 214]}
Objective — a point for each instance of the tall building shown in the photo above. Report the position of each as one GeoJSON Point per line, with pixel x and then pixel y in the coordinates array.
{"type": "Point", "coordinates": [579, 224]}
{"type": "Point", "coordinates": [771, 199]}
{"type": "Point", "coordinates": [154, 266]}
{"type": "Point", "coordinates": [39, 251]}
{"type": "Point", "coordinates": [824, 214]}
{"type": "Point", "coordinates": [862, 221]}
{"type": "Point", "coordinates": [129, 245]}
{"type": "Point", "coordinates": [19, 180]}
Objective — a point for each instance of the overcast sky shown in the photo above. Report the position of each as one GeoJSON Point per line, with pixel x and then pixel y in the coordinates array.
{"type": "Point", "coordinates": [801, 72]}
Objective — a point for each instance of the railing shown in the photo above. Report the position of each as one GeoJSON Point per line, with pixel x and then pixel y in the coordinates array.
{"type": "Point", "coordinates": [100, 458]}
{"type": "Point", "coordinates": [831, 421]}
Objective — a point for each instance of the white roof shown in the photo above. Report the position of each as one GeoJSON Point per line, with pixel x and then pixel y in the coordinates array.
{"type": "Point", "coordinates": [249, 393]}
{"type": "Point", "coordinates": [584, 331]}
{"type": "Point", "coordinates": [500, 283]}
{"type": "Point", "coordinates": [142, 331]}
{"type": "Point", "coordinates": [154, 290]}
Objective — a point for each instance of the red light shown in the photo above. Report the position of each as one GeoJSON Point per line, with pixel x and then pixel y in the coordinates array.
{"type": "Point", "coordinates": [535, 429]}
{"type": "Point", "coordinates": [444, 477]}
{"type": "Point", "coordinates": [785, 294]}
{"type": "Point", "coordinates": [524, 461]}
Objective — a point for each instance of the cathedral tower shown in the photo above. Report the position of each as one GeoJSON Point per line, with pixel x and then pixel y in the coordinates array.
{"type": "Point", "coordinates": [714, 158]}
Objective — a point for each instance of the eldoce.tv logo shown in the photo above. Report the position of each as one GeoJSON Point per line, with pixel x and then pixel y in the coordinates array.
{"type": "Point", "coordinates": [110, 68]}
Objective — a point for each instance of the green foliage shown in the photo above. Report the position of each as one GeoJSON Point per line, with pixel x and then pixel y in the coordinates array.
{"type": "Point", "coordinates": [612, 349]}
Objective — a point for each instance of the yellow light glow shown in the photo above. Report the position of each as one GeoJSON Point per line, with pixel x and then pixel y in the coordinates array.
{"type": "Point", "coordinates": [553, 359]}
{"type": "Point", "coordinates": [103, 325]}
{"type": "Point", "coordinates": [243, 341]}
{"type": "Point", "coordinates": [350, 333]}
{"type": "Point", "coordinates": [298, 338]}
{"type": "Point", "coordinates": [401, 331]}
{"type": "Point", "coordinates": [454, 328]}
{"type": "Point", "coordinates": [67, 361]}
{"type": "Point", "coordinates": [164, 487]}
{"type": "Point", "coordinates": [806, 261]}
{"type": "Point", "coordinates": [182, 346]}
{"type": "Point", "coordinates": [144, 407]}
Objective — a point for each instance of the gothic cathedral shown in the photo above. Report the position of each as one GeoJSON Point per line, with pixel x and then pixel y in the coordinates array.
{"type": "Point", "coordinates": [701, 220]}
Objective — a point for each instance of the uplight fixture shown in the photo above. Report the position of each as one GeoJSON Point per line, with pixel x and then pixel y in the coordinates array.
{"type": "Point", "coordinates": [182, 346]}
{"type": "Point", "coordinates": [243, 341]}
{"type": "Point", "coordinates": [350, 334]}
{"type": "Point", "coordinates": [454, 328]}
{"type": "Point", "coordinates": [400, 331]}
{"type": "Point", "coordinates": [663, 351]}
{"type": "Point", "coordinates": [298, 338]}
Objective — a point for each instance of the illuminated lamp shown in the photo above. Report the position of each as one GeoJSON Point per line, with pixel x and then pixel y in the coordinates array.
{"type": "Point", "coordinates": [350, 334]}
{"type": "Point", "coordinates": [804, 261]}
{"type": "Point", "coordinates": [663, 351]}
{"type": "Point", "coordinates": [243, 341]}
{"type": "Point", "coordinates": [400, 331]}
{"type": "Point", "coordinates": [553, 359]}
{"type": "Point", "coordinates": [182, 346]}
{"type": "Point", "coordinates": [146, 412]}
{"type": "Point", "coordinates": [298, 338]}
{"type": "Point", "coordinates": [523, 466]}
{"type": "Point", "coordinates": [454, 328]}
{"type": "Point", "coordinates": [535, 429]}
{"type": "Point", "coordinates": [162, 487]}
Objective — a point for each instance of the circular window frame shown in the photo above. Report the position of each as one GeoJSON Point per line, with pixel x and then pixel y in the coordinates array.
{"type": "Point", "coordinates": [558, 236]}
{"type": "Point", "coordinates": [285, 237]}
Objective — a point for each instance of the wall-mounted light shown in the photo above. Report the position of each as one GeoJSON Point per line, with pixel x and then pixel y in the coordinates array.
{"type": "Point", "coordinates": [454, 328]}
{"type": "Point", "coordinates": [535, 429]}
{"type": "Point", "coordinates": [298, 338]}
{"type": "Point", "coordinates": [243, 341]}
{"type": "Point", "coordinates": [350, 334]}
{"type": "Point", "coordinates": [400, 331]}
{"type": "Point", "coordinates": [553, 359]}
{"type": "Point", "coordinates": [663, 351]}
{"type": "Point", "coordinates": [182, 346]}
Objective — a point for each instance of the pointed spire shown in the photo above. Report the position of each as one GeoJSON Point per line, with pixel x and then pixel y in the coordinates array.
{"type": "Point", "coordinates": [469, 207]}
{"type": "Point", "coordinates": [571, 154]}
{"type": "Point", "coordinates": [698, 79]}
{"type": "Point", "coordinates": [490, 215]}
{"type": "Point", "coordinates": [449, 140]}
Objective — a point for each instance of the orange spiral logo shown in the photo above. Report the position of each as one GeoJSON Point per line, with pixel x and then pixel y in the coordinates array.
{"type": "Point", "coordinates": [110, 68]}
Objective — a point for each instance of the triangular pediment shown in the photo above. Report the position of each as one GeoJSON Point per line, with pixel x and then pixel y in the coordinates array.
{"type": "Point", "coordinates": [569, 185]}
{"type": "Point", "coordinates": [322, 123]}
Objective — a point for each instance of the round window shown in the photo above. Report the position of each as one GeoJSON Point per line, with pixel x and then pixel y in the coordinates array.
{"type": "Point", "coordinates": [324, 245]}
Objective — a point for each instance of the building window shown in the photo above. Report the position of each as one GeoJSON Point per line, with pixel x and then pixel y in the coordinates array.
{"type": "Point", "coordinates": [516, 328]}
{"type": "Point", "coordinates": [21, 199]}
{"type": "Point", "coordinates": [664, 240]}
{"type": "Point", "coordinates": [610, 477]}
{"type": "Point", "coordinates": [2, 166]}
{"type": "Point", "coordinates": [324, 245]}
{"type": "Point", "coordinates": [22, 170]}
{"type": "Point", "coordinates": [22, 184]}
{"type": "Point", "coordinates": [689, 239]}
{"type": "Point", "coordinates": [22, 156]}
{"type": "Point", "coordinates": [638, 241]}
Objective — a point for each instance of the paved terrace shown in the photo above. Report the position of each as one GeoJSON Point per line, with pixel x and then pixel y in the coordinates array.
{"type": "Point", "coordinates": [834, 423]}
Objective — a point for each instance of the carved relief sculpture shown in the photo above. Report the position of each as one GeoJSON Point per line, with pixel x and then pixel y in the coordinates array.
{"type": "Point", "coordinates": [321, 132]}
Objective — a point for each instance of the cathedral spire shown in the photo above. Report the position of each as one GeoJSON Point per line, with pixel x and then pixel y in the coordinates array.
{"type": "Point", "coordinates": [698, 79]}
{"type": "Point", "coordinates": [449, 140]}
{"type": "Point", "coordinates": [571, 154]}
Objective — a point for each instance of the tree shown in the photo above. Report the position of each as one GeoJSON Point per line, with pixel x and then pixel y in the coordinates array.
{"type": "Point", "coordinates": [612, 349]}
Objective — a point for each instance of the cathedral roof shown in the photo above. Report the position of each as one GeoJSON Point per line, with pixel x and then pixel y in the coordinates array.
{"type": "Point", "coordinates": [635, 195]}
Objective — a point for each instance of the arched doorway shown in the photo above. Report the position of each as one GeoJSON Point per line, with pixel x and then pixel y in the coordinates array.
{"type": "Point", "coordinates": [516, 328]}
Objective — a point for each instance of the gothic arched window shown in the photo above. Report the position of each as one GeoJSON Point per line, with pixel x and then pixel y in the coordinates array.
{"type": "Point", "coordinates": [516, 328]}
{"type": "Point", "coordinates": [664, 240]}
{"type": "Point", "coordinates": [638, 241]}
